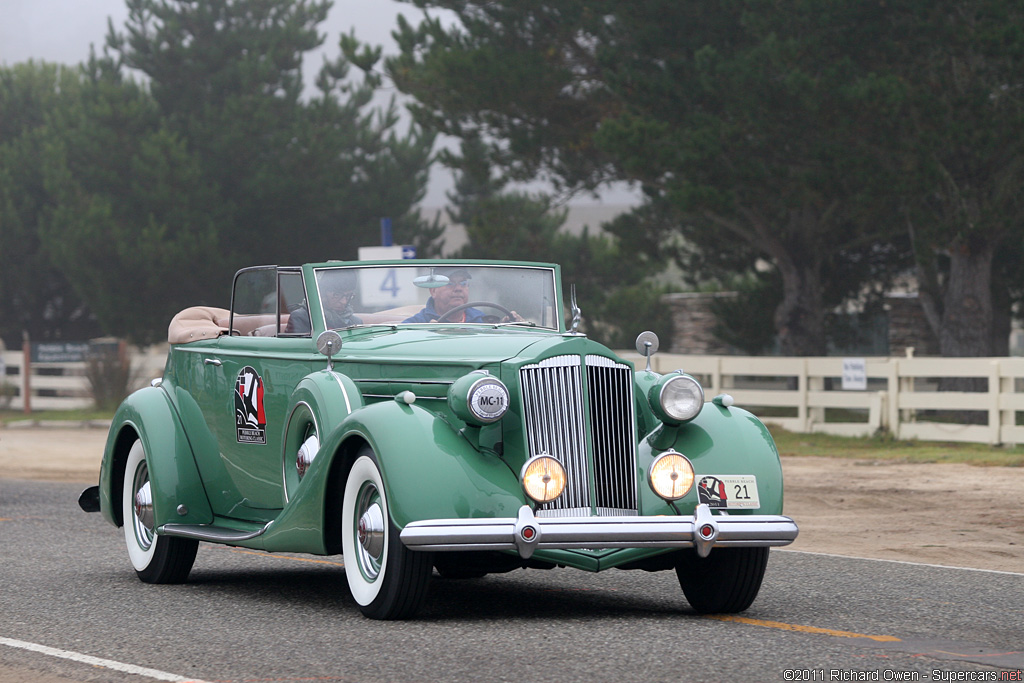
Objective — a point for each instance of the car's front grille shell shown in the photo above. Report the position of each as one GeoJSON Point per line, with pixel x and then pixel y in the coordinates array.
{"type": "Point", "coordinates": [556, 400]}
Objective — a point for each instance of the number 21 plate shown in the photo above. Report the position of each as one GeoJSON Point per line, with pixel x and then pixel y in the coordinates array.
{"type": "Point", "coordinates": [728, 491]}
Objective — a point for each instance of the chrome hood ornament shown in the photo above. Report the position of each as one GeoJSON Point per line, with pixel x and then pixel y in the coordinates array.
{"type": "Point", "coordinates": [576, 312]}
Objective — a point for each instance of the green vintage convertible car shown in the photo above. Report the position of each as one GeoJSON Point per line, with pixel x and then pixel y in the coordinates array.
{"type": "Point", "coordinates": [416, 416]}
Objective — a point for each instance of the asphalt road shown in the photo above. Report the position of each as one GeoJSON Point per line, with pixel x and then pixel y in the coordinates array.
{"type": "Point", "coordinates": [251, 617]}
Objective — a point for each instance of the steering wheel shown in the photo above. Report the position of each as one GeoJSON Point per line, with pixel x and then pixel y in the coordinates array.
{"type": "Point", "coordinates": [473, 304]}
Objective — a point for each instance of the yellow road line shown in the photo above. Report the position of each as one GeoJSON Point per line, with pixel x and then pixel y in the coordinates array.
{"type": "Point", "coordinates": [287, 557]}
{"type": "Point", "coordinates": [802, 629]}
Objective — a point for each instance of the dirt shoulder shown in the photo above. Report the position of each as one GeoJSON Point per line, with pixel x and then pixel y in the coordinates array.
{"type": "Point", "coordinates": [948, 514]}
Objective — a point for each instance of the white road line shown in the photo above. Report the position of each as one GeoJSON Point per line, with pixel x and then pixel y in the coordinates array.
{"type": "Point", "coordinates": [96, 661]}
{"type": "Point", "coordinates": [915, 564]}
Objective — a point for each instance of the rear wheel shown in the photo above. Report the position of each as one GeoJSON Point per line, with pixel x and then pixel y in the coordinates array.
{"type": "Point", "coordinates": [724, 582]}
{"type": "Point", "coordinates": [387, 580]}
{"type": "Point", "coordinates": [157, 559]}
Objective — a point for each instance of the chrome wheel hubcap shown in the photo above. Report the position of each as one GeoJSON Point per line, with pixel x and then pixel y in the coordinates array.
{"type": "Point", "coordinates": [143, 519]}
{"type": "Point", "coordinates": [370, 533]}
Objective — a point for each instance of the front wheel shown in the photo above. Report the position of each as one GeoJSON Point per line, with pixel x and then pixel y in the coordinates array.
{"type": "Point", "coordinates": [387, 580]}
{"type": "Point", "coordinates": [157, 559]}
{"type": "Point", "coordinates": [724, 582]}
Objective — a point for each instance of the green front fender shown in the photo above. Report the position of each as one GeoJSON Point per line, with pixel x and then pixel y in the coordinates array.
{"type": "Point", "coordinates": [174, 478]}
{"type": "Point", "coordinates": [721, 440]}
{"type": "Point", "coordinates": [430, 471]}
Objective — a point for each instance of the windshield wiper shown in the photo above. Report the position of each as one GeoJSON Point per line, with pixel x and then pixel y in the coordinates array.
{"type": "Point", "coordinates": [528, 323]}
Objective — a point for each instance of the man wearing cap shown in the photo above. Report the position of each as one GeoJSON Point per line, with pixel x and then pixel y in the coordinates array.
{"type": "Point", "coordinates": [337, 290]}
{"type": "Point", "coordinates": [444, 299]}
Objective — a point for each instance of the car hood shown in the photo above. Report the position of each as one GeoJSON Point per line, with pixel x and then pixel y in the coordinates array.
{"type": "Point", "coordinates": [466, 346]}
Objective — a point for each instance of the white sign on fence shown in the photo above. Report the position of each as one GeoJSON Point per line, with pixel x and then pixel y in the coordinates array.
{"type": "Point", "coordinates": [855, 374]}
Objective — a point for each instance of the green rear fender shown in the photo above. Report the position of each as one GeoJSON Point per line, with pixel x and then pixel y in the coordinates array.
{"type": "Point", "coordinates": [174, 478]}
{"type": "Point", "coordinates": [719, 441]}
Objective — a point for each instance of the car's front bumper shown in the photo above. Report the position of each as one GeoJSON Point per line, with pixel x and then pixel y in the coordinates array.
{"type": "Point", "coordinates": [526, 533]}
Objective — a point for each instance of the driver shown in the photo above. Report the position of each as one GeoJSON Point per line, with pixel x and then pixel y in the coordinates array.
{"type": "Point", "coordinates": [444, 299]}
{"type": "Point", "coordinates": [337, 290]}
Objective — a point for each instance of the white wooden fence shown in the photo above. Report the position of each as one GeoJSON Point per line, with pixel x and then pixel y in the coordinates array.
{"type": "Point", "coordinates": [800, 394]}
{"type": "Point", "coordinates": [902, 394]}
{"type": "Point", "coordinates": [64, 386]}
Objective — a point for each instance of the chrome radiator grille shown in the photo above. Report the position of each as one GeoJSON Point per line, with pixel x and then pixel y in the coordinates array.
{"type": "Point", "coordinates": [554, 407]}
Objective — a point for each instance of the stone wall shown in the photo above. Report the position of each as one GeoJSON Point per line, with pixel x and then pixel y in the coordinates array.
{"type": "Point", "coordinates": [693, 324]}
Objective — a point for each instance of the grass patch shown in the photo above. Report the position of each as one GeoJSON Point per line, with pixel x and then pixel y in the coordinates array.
{"type": "Point", "coordinates": [9, 416]}
{"type": "Point", "coordinates": [888, 449]}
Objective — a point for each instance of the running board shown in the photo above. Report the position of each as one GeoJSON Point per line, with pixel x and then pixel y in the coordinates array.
{"type": "Point", "coordinates": [208, 532]}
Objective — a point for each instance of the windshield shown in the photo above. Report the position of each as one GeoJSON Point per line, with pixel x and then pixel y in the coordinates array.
{"type": "Point", "coordinates": [419, 294]}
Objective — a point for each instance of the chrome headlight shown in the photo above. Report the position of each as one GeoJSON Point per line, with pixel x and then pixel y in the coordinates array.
{"type": "Point", "coordinates": [671, 475]}
{"type": "Point", "coordinates": [676, 398]}
{"type": "Point", "coordinates": [543, 478]}
{"type": "Point", "coordinates": [478, 399]}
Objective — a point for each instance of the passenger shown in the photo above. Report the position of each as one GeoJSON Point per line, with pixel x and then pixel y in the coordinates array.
{"type": "Point", "coordinates": [337, 290]}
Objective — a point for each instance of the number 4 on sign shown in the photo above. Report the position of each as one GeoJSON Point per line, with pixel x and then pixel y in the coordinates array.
{"type": "Point", "coordinates": [390, 283]}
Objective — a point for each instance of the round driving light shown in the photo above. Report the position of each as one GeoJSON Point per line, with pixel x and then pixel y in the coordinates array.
{"type": "Point", "coordinates": [478, 399]}
{"type": "Point", "coordinates": [543, 478]}
{"type": "Point", "coordinates": [676, 398]}
{"type": "Point", "coordinates": [671, 476]}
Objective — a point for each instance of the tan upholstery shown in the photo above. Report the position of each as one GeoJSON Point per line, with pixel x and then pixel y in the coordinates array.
{"type": "Point", "coordinates": [390, 316]}
{"type": "Point", "coordinates": [205, 322]}
{"type": "Point", "coordinates": [197, 322]}
{"type": "Point", "coordinates": [270, 329]}
{"type": "Point", "coordinates": [261, 325]}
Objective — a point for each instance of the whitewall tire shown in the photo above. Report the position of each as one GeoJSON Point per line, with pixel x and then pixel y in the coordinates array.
{"type": "Point", "coordinates": [156, 559]}
{"type": "Point", "coordinates": [386, 579]}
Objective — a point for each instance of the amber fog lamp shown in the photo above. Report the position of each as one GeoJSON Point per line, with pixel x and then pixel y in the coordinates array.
{"type": "Point", "coordinates": [543, 478]}
{"type": "Point", "coordinates": [478, 399]}
{"type": "Point", "coordinates": [676, 398]}
{"type": "Point", "coordinates": [671, 476]}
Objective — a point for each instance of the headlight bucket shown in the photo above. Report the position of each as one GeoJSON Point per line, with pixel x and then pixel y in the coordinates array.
{"type": "Point", "coordinates": [676, 398]}
{"type": "Point", "coordinates": [543, 478]}
{"type": "Point", "coordinates": [671, 475]}
{"type": "Point", "coordinates": [478, 399]}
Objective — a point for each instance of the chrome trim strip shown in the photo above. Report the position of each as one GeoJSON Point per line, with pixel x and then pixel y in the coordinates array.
{"type": "Point", "coordinates": [404, 381]}
{"type": "Point", "coordinates": [585, 512]}
{"type": "Point", "coordinates": [348, 404]}
{"type": "Point", "coordinates": [505, 533]}
{"type": "Point", "coordinates": [208, 532]}
{"type": "Point", "coordinates": [418, 397]}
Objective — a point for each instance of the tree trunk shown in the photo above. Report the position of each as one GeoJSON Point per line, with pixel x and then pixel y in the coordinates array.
{"type": "Point", "coordinates": [966, 321]}
{"type": "Point", "coordinates": [1002, 318]}
{"type": "Point", "coordinates": [800, 318]}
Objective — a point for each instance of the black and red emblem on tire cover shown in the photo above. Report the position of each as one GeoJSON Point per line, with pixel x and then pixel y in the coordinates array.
{"type": "Point", "coordinates": [250, 418]}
